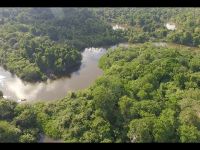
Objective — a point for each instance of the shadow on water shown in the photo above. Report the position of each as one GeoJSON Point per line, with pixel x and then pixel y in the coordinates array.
{"type": "Point", "coordinates": [77, 78]}
{"type": "Point", "coordinates": [70, 70]}
{"type": "Point", "coordinates": [82, 76]}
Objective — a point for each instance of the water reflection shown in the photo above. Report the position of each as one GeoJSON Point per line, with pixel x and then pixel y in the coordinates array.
{"type": "Point", "coordinates": [14, 88]}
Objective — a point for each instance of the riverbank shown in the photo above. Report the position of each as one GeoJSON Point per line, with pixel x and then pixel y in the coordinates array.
{"type": "Point", "coordinates": [14, 88]}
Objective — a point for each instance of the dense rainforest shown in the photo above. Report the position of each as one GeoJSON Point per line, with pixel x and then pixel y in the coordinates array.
{"type": "Point", "coordinates": [149, 24]}
{"type": "Point", "coordinates": [147, 93]}
{"type": "Point", "coordinates": [41, 43]}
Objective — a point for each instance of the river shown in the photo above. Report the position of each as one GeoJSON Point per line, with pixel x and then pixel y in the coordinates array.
{"type": "Point", "coordinates": [14, 88]}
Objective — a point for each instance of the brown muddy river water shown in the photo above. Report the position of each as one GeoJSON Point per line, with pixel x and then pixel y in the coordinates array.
{"type": "Point", "coordinates": [14, 88]}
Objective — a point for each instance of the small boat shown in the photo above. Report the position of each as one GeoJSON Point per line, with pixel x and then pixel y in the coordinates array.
{"type": "Point", "coordinates": [21, 100]}
{"type": "Point", "coordinates": [5, 97]}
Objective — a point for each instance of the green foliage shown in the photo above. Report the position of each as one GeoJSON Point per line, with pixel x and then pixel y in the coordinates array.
{"type": "Point", "coordinates": [189, 134]}
{"type": "Point", "coordinates": [147, 93]}
{"type": "Point", "coordinates": [165, 127]}
{"type": "Point", "coordinates": [7, 109]}
{"type": "Point", "coordinates": [141, 130]}
{"type": "Point", "coordinates": [17, 123]}
{"type": "Point", "coordinates": [27, 138]}
{"type": "Point", "coordinates": [26, 119]}
{"type": "Point", "coordinates": [37, 44]}
{"type": "Point", "coordinates": [8, 132]}
{"type": "Point", "coordinates": [113, 108]}
{"type": "Point", "coordinates": [148, 24]}
{"type": "Point", "coordinates": [1, 94]}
